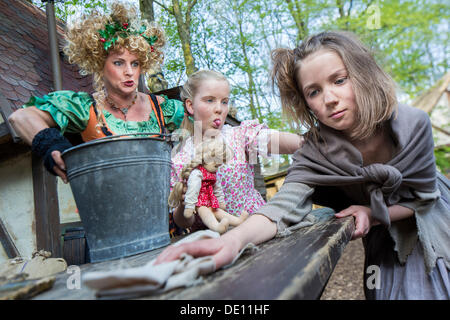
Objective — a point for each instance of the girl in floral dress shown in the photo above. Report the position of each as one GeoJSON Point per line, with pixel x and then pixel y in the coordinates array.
{"type": "Point", "coordinates": [206, 96]}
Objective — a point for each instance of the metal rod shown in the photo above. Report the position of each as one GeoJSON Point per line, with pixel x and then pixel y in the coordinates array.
{"type": "Point", "coordinates": [54, 50]}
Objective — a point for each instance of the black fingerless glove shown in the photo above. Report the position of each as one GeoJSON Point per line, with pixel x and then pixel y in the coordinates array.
{"type": "Point", "coordinates": [46, 141]}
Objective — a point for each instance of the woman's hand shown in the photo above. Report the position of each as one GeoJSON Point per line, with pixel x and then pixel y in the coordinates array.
{"type": "Point", "coordinates": [363, 219]}
{"type": "Point", "coordinates": [60, 166]}
{"type": "Point", "coordinates": [223, 250]}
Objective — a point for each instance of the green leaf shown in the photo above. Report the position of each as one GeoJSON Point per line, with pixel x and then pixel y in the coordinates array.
{"type": "Point", "coordinates": [103, 34]}
{"type": "Point", "coordinates": [110, 29]}
{"type": "Point", "coordinates": [107, 45]}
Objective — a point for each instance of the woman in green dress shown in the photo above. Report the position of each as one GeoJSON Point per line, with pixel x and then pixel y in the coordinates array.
{"type": "Point", "coordinates": [116, 49]}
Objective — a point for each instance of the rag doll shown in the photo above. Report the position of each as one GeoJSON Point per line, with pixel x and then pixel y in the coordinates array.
{"type": "Point", "coordinates": [204, 194]}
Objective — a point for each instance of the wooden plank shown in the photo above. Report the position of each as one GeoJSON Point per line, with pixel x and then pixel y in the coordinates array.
{"type": "Point", "coordinates": [5, 111]}
{"type": "Point", "coordinates": [4, 131]}
{"type": "Point", "coordinates": [46, 209]}
{"type": "Point", "coordinates": [18, 290]}
{"type": "Point", "coordinates": [171, 93]}
{"type": "Point", "coordinates": [293, 267]}
{"type": "Point", "coordinates": [7, 242]}
{"type": "Point", "coordinates": [296, 267]}
{"type": "Point", "coordinates": [74, 245]}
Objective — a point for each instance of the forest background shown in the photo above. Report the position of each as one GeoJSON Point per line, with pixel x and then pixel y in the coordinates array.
{"type": "Point", "coordinates": [410, 39]}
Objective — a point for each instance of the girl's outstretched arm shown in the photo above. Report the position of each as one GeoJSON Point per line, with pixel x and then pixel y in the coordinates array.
{"type": "Point", "coordinates": [256, 229]}
{"type": "Point", "coordinates": [284, 142]}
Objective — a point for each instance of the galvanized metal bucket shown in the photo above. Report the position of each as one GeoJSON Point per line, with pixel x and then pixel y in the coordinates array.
{"type": "Point", "coordinates": [121, 186]}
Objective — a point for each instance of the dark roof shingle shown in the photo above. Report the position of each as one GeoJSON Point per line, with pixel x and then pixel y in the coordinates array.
{"type": "Point", "coordinates": [25, 68]}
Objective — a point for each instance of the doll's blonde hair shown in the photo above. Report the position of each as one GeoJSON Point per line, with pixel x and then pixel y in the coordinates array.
{"type": "Point", "coordinates": [374, 89]}
{"type": "Point", "coordinates": [211, 150]}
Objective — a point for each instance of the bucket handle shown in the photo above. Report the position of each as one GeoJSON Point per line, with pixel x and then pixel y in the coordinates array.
{"type": "Point", "coordinates": [157, 136]}
{"type": "Point", "coordinates": [153, 135]}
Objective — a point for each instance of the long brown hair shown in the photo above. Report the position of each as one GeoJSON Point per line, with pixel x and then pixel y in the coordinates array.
{"type": "Point", "coordinates": [374, 89]}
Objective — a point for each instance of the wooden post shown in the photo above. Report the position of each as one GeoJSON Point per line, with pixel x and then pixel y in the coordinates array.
{"type": "Point", "coordinates": [7, 242]}
{"type": "Point", "coordinates": [46, 209]}
{"type": "Point", "coordinates": [5, 111]}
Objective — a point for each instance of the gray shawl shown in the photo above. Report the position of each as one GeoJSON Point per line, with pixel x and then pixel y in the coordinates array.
{"type": "Point", "coordinates": [409, 178]}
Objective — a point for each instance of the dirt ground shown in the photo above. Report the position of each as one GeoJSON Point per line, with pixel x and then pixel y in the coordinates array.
{"type": "Point", "coordinates": [346, 281]}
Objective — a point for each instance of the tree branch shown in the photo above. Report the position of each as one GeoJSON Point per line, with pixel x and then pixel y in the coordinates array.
{"type": "Point", "coordinates": [440, 129]}
{"type": "Point", "coordinates": [164, 7]}
{"type": "Point", "coordinates": [350, 8]}
{"type": "Point", "coordinates": [191, 5]}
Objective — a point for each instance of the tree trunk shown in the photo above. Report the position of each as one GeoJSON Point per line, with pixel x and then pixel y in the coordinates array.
{"type": "Point", "coordinates": [251, 83]}
{"type": "Point", "coordinates": [146, 7]}
{"type": "Point", "coordinates": [342, 14]}
{"type": "Point", "coordinates": [302, 28]}
{"type": "Point", "coordinates": [183, 26]}
{"type": "Point", "coordinates": [155, 80]}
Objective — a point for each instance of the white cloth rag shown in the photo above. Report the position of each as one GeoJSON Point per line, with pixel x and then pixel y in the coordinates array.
{"type": "Point", "coordinates": [153, 279]}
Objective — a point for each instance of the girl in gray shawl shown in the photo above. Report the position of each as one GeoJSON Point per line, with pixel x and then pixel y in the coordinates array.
{"type": "Point", "coordinates": [365, 156]}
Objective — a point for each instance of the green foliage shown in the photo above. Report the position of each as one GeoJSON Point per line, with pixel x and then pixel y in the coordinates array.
{"type": "Point", "coordinates": [408, 37]}
{"type": "Point", "coordinates": [67, 8]}
{"type": "Point", "coordinates": [442, 155]}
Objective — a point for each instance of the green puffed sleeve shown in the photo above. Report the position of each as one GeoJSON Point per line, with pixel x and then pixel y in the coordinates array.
{"type": "Point", "coordinates": [173, 112]}
{"type": "Point", "coordinates": [69, 109]}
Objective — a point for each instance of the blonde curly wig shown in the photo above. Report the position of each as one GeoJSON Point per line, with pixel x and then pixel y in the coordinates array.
{"type": "Point", "coordinates": [85, 49]}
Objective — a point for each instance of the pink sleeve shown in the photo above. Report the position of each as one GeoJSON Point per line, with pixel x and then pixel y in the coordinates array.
{"type": "Point", "coordinates": [256, 137]}
{"type": "Point", "coordinates": [175, 173]}
{"type": "Point", "coordinates": [177, 166]}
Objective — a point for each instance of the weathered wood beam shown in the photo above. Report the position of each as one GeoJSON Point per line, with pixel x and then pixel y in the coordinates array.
{"type": "Point", "coordinates": [7, 242]}
{"type": "Point", "coordinates": [294, 267]}
{"type": "Point", "coordinates": [46, 209]}
{"type": "Point", "coordinates": [4, 131]}
{"type": "Point", "coordinates": [5, 111]}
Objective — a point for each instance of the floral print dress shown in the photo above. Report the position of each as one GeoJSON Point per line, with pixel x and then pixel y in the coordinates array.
{"type": "Point", "coordinates": [236, 177]}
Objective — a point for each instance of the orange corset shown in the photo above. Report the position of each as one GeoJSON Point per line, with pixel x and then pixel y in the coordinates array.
{"type": "Point", "coordinates": [92, 130]}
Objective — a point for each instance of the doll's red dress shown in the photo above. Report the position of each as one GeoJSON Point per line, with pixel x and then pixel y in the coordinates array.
{"type": "Point", "coordinates": [206, 197]}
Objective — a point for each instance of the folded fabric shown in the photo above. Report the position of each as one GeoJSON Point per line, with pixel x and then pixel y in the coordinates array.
{"type": "Point", "coordinates": [39, 266]}
{"type": "Point", "coordinates": [152, 279]}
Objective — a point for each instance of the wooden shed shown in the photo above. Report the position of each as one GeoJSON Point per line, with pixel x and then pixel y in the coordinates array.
{"type": "Point", "coordinates": [436, 102]}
